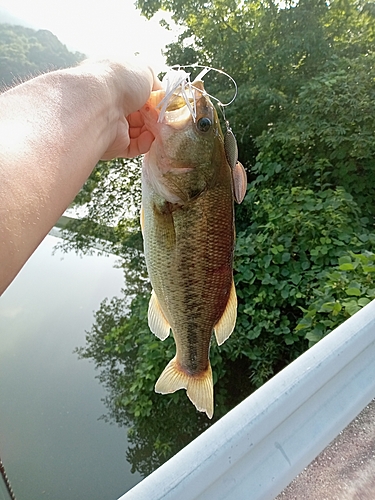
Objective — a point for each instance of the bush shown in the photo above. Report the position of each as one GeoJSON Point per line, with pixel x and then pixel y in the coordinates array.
{"type": "Point", "coordinates": [326, 133]}
{"type": "Point", "coordinates": [343, 291]}
{"type": "Point", "coordinates": [293, 237]}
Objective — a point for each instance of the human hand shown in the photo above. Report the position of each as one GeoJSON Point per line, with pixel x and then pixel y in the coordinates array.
{"type": "Point", "coordinates": [54, 130]}
{"type": "Point", "coordinates": [132, 137]}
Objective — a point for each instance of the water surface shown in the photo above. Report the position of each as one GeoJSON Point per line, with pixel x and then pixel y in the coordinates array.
{"type": "Point", "coordinates": [51, 441]}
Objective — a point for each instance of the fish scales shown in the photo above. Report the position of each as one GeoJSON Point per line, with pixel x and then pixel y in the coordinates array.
{"type": "Point", "coordinates": [188, 230]}
{"type": "Point", "coordinates": [198, 262]}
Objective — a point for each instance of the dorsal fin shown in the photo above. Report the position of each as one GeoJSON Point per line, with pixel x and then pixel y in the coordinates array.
{"type": "Point", "coordinates": [225, 326]}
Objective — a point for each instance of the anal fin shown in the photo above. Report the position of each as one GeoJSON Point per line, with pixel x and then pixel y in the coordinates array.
{"type": "Point", "coordinates": [225, 326]}
{"type": "Point", "coordinates": [199, 388]}
{"type": "Point", "coordinates": [157, 321]}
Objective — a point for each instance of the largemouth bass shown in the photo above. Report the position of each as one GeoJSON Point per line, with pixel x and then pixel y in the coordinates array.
{"type": "Point", "coordinates": [187, 222]}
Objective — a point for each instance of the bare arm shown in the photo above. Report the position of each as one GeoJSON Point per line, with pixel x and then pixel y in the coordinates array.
{"type": "Point", "coordinates": [53, 131]}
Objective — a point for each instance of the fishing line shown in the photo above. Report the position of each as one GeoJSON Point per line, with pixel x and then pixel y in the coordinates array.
{"type": "Point", "coordinates": [6, 481]}
{"type": "Point", "coordinates": [205, 70]}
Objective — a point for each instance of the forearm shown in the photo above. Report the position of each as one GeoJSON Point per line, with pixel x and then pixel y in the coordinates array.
{"type": "Point", "coordinates": [53, 131]}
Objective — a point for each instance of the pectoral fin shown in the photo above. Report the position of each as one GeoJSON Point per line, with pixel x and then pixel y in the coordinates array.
{"type": "Point", "coordinates": [225, 326]}
{"type": "Point", "coordinates": [239, 182]}
{"type": "Point", "coordinates": [157, 321]}
{"type": "Point", "coordinates": [199, 388]}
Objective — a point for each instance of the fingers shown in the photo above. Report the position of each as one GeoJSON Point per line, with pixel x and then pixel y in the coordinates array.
{"type": "Point", "coordinates": [134, 137]}
{"type": "Point", "coordinates": [140, 137]}
{"type": "Point", "coordinates": [141, 144]}
{"type": "Point", "coordinates": [135, 120]}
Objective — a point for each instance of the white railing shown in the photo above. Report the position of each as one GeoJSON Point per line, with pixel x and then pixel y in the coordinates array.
{"type": "Point", "coordinates": [257, 449]}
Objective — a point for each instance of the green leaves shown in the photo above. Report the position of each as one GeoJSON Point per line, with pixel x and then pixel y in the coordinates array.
{"type": "Point", "coordinates": [326, 133]}
{"type": "Point", "coordinates": [345, 263]}
{"type": "Point", "coordinates": [295, 243]}
{"type": "Point", "coordinates": [342, 292]}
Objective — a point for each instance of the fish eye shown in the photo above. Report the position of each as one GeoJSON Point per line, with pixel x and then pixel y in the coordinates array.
{"type": "Point", "coordinates": [204, 124]}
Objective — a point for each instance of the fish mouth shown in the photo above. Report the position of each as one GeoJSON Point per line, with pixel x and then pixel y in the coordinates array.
{"type": "Point", "coordinates": [179, 108]}
{"type": "Point", "coordinates": [178, 118]}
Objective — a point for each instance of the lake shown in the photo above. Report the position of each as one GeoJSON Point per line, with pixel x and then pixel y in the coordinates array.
{"type": "Point", "coordinates": [52, 443]}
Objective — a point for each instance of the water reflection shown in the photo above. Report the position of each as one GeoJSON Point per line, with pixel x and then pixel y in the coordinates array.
{"type": "Point", "coordinates": [130, 359]}
{"type": "Point", "coordinates": [51, 441]}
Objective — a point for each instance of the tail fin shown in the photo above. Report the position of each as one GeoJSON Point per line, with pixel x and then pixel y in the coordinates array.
{"type": "Point", "coordinates": [199, 388]}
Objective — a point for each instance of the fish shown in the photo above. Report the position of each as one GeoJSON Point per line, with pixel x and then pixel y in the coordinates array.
{"type": "Point", "coordinates": [190, 180]}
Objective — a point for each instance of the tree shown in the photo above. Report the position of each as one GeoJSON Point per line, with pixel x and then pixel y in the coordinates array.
{"type": "Point", "coordinates": [25, 52]}
{"type": "Point", "coordinates": [270, 51]}
{"type": "Point", "coordinates": [327, 133]}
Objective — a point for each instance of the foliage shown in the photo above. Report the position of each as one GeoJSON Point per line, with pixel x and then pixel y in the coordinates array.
{"type": "Point", "coordinates": [346, 288]}
{"type": "Point", "coordinates": [271, 51]}
{"type": "Point", "coordinates": [292, 237]}
{"type": "Point", "coordinates": [25, 52]}
{"type": "Point", "coordinates": [327, 134]}
{"type": "Point", "coordinates": [111, 200]}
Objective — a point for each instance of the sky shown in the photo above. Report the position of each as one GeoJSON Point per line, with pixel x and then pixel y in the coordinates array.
{"type": "Point", "coordinates": [97, 27]}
